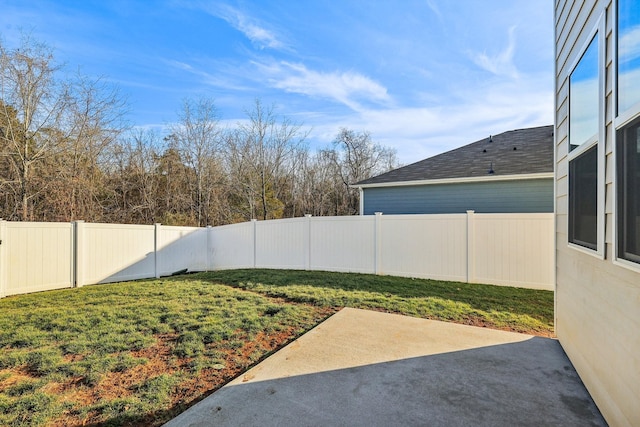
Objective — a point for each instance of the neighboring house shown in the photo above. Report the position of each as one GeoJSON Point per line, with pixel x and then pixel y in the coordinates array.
{"type": "Point", "coordinates": [505, 173]}
{"type": "Point", "coordinates": [597, 152]}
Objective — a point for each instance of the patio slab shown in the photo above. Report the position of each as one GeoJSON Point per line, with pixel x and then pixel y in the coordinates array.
{"type": "Point", "coordinates": [365, 368]}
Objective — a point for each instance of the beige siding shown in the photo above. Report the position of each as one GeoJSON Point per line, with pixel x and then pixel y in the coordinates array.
{"type": "Point", "coordinates": [597, 300]}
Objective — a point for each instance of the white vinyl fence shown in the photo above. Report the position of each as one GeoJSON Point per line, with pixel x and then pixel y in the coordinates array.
{"type": "Point", "coordinates": [501, 249]}
{"type": "Point", "coordinates": [37, 256]}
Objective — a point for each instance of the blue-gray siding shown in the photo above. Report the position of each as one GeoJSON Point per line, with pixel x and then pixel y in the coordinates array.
{"type": "Point", "coordinates": [520, 196]}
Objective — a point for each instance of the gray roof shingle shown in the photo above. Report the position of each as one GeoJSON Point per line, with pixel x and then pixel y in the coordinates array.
{"type": "Point", "coordinates": [521, 151]}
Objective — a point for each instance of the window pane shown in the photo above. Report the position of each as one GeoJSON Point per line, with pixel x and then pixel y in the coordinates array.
{"type": "Point", "coordinates": [583, 97]}
{"type": "Point", "coordinates": [629, 192]}
{"type": "Point", "coordinates": [583, 199]}
{"type": "Point", "coordinates": [628, 54]}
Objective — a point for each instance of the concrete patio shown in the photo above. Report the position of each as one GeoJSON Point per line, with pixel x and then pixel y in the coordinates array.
{"type": "Point", "coordinates": [376, 369]}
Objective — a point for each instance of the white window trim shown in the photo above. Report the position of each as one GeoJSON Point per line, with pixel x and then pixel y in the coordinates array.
{"type": "Point", "coordinates": [598, 139]}
{"type": "Point", "coordinates": [630, 265]}
{"type": "Point", "coordinates": [628, 115]}
{"type": "Point", "coordinates": [620, 120]}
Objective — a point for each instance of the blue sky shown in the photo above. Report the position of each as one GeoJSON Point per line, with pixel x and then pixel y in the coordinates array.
{"type": "Point", "coordinates": [421, 76]}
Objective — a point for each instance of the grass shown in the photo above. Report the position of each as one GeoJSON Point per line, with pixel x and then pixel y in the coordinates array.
{"type": "Point", "coordinates": [138, 353]}
{"type": "Point", "coordinates": [500, 307]}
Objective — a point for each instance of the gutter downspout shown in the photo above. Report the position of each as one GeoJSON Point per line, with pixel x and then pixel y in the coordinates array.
{"type": "Point", "coordinates": [361, 200]}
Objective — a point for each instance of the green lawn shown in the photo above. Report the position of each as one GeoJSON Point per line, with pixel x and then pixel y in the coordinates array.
{"type": "Point", "coordinates": [499, 307]}
{"type": "Point", "coordinates": [138, 353]}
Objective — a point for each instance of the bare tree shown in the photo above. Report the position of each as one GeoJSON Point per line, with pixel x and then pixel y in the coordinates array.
{"type": "Point", "coordinates": [356, 158]}
{"type": "Point", "coordinates": [174, 184]}
{"type": "Point", "coordinates": [94, 122]}
{"type": "Point", "coordinates": [55, 134]}
{"type": "Point", "coordinates": [197, 137]}
{"type": "Point", "coordinates": [9, 173]}
{"type": "Point", "coordinates": [261, 157]}
{"type": "Point", "coordinates": [33, 104]}
{"type": "Point", "coordinates": [133, 178]}
{"type": "Point", "coordinates": [314, 185]}
{"type": "Point", "coordinates": [64, 154]}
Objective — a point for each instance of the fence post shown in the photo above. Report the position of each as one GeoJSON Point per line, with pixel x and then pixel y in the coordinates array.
{"type": "Point", "coordinates": [209, 248]}
{"type": "Point", "coordinates": [156, 249]}
{"type": "Point", "coordinates": [471, 244]}
{"type": "Point", "coordinates": [79, 255]}
{"type": "Point", "coordinates": [4, 265]}
{"type": "Point", "coordinates": [254, 223]}
{"type": "Point", "coordinates": [377, 263]}
{"type": "Point", "coordinates": [307, 242]}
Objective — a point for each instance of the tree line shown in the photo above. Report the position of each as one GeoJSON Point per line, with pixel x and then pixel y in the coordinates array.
{"type": "Point", "coordinates": [68, 153]}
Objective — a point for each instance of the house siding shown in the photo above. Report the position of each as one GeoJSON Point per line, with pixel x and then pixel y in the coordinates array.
{"type": "Point", "coordinates": [597, 299]}
{"type": "Point", "coordinates": [519, 196]}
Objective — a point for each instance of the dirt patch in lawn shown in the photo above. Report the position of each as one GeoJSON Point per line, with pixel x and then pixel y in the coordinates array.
{"type": "Point", "coordinates": [190, 387]}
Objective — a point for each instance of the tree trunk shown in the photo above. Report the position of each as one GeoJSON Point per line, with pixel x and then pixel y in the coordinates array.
{"type": "Point", "coordinates": [24, 192]}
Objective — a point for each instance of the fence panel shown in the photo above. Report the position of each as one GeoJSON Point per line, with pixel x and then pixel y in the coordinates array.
{"type": "Point", "coordinates": [501, 249]}
{"type": "Point", "coordinates": [343, 244]}
{"type": "Point", "coordinates": [280, 244]}
{"type": "Point", "coordinates": [515, 250]}
{"type": "Point", "coordinates": [426, 246]}
{"type": "Point", "coordinates": [115, 252]}
{"type": "Point", "coordinates": [38, 258]}
{"type": "Point", "coordinates": [233, 246]}
{"type": "Point", "coordinates": [182, 247]}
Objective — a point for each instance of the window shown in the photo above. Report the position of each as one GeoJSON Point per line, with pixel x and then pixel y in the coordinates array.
{"type": "Point", "coordinates": [628, 132]}
{"type": "Point", "coordinates": [583, 199]}
{"type": "Point", "coordinates": [628, 54]}
{"type": "Point", "coordinates": [583, 98]}
{"type": "Point", "coordinates": [584, 131]}
{"type": "Point", "coordinates": [628, 151]}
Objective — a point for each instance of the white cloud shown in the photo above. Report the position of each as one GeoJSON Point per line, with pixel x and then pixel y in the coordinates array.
{"type": "Point", "coordinates": [628, 89]}
{"type": "Point", "coordinates": [254, 31]}
{"type": "Point", "coordinates": [221, 79]}
{"type": "Point", "coordinates": [500, 64]}
{"type": "Point", "coordinates": [180, 65]}
{"type": "Point", "coordinates": [629, 45]}
{"type": "Point", "coordinates": [435, 9]}
{"type": "Point", "coordinates": [420, 132]}
{"type": "Point", "coordinates": [347, 87]}
{"type": "Point", "coordinates": [584, 109]}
